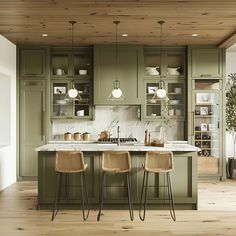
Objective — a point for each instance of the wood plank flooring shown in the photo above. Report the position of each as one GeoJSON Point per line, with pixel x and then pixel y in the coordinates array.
{"type": "Point", "coordinates": [216, 216]}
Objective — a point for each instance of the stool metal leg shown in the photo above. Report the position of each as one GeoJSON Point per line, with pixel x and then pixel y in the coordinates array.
{"type": "Point", "coordinates": [57, 196]}
{"type": "Point", "coordinates": [130, 198]}
{"type": "Point", "coordinates": [171, 198]}
{"type": "Point", "coordinates": [84, 188]}
{"type": "Point", "coordinates": [101, 196]}
{"type": "Point", "coordinates": [144, 185]}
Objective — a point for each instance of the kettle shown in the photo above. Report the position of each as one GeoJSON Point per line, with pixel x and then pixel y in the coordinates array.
{"type": "Point", "coordinates": [104, 134]}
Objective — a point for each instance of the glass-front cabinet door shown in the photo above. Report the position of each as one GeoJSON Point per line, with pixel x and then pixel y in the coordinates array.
{"type": "Point", "coordinates": [176, 96]}
{"type": "Point", "coordinates": [207, 125]}
{"type": "Point", "coordinates": [82, 107]}
{"type": "Point", "coordinates": [60, 107]}
{"type": "Point", "coordinates": [63, 108]}
{"type": "Point", "coordinates": [152, 107]}
{"type": "Point", "coordinates": [173, 105]}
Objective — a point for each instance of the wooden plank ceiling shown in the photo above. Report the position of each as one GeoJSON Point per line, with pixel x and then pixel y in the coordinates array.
{"type": "Point", "coordinates": [24, 21]}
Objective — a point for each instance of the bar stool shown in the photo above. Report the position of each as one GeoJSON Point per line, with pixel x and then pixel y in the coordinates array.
{"type": "Point", "coordinates": [66, 163]}
{"type": "Point", "coordinates": [157, 162]}
{"type": "Point", "coordinates": [116, 162]}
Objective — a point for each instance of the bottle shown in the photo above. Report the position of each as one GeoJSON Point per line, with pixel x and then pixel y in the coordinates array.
{"type": "Point", "coordinates": [146, 137]}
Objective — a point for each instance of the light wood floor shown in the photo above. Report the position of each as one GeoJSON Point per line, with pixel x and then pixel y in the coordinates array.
{"type": "Point", "coordinates": [216, 216]}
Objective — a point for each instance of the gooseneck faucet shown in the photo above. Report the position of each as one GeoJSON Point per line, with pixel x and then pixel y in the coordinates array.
{"type": "Point", "coordinates": [118, 135]}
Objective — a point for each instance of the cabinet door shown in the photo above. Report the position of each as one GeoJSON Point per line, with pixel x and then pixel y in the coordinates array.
{"type": "Point", "coordinates": [32, 116]}
{"type": "Point", "coordinates": [60, 108]}
{"type": "Point", "coordinates": [206, 62]}
{"type": "Point", "coordinates": [207, 127]}
{"type": "Point", "coordinates": [32, 62]}
{"type": "Point", "coordinates": [127, 73]}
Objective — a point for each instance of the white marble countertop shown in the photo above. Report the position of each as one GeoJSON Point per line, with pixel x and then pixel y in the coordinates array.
{"type": "Point", "coordinates": [99, 147]}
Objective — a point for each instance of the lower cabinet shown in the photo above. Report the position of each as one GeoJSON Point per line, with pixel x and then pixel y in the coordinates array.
{"type": "Point", "coordinates": [70, 190]}
{"type": "Point", "coordinates": [184, 182]}
{"type": "Point", "coordinates": [32, 124]}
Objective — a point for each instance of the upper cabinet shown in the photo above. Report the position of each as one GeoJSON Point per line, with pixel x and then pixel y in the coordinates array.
{"type": "Point", "coordinates": [32, 62]}
{"type": "Point", "coordinates": [127, 70]}
{"type": "Point", "coordinates": [170, 65]}
{"type": "Point", "coordinates": [76, 63]}
{"type": "Point", "coordinates": [206, 62]}
{"type": "Point", "coordinates": [70, 67]}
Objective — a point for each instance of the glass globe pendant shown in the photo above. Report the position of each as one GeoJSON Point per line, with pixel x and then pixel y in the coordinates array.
{"type": "Point", "coordinates": [116, 93]}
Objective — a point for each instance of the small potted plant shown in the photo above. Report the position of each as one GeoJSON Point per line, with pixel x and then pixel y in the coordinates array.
{"type": "Point", "coordinates": [231, 118]}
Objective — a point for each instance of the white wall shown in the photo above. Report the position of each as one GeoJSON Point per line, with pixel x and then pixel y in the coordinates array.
{"type": "Point", "coordinates": [8, 153]}
{"type": "Point", "coordinates": [230, 68]}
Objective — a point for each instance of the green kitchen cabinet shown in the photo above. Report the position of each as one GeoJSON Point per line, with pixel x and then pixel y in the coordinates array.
{"type": "Point", "coordinates": [72, 63]}
{"type": "Point", "coordinates": [67, 67]}
{"type": "Point", "coordinates": [207, 127]}
{"type": "Point", "coordinates": [32, 63]}
{"type": "Point", "coordinates": [128, 68]}
{"type": "Point", "coordinates": [32, 124]}
{"type": "Point", "coordinates": [71, 188]}
{"type": "Point", "coordinates": [184, 183]}
{"type": "Point", "coordinates": [206, 62]}
{"type": "Point", "coordinates": [64, 109]}
{"type": "Point", "coordinates": [173, 106]}
{"type": "Point", "coordinates": [171, 64]}
{"type": "Point", "coordinates": [206, 109]}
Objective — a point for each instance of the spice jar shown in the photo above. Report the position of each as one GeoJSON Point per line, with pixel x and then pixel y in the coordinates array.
{"type": "Point", "coordinates": [86, 136]}
{"type": "Point", "coordinates": [77, 136]}
{"type": "Point", "coordinates": [68, 136]}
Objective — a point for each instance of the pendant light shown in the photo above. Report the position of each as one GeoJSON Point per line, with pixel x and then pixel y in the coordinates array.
{"type": "Point", "coordinates": [73, 93]}
{"type": "Point", "coordinates": [161, 92]}
{"type": "Point", "coordinates": [116, 93]}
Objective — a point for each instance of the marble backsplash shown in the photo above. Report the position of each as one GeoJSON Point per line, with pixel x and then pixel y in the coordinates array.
{"type": "Point", "coordinates": [109, 117]}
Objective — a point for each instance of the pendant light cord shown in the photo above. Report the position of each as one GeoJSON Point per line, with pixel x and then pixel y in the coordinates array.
{"type": "Point", "coordinates": [116, 23]}
{"type": "Point", "coordinates": [72, 22]}
{"type": "Point", "coordinates": [161, 80]}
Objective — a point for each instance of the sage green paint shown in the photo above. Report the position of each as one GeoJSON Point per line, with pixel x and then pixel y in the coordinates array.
{"type": "Point", "coordinates": [32, 128]}
{"type": "Point", "coordinates": [199, 67]}
{"type": "Point", "coordinates": [32, 62]}
{"type": "Point", "coordinates": [66, 59]}
{"type": "Point", "coordinates": [206, 62]}
{"type": "Point", "coordinates": [127, 70]}
{"type": "Point", "coordinates": [184, 180]}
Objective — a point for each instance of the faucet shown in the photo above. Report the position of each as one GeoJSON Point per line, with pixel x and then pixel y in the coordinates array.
{"type": "Point", "coordinates": [118, 135]}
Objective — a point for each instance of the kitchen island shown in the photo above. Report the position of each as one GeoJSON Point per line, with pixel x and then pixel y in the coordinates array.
{"type": "Point", "coordinates": [184, 176]}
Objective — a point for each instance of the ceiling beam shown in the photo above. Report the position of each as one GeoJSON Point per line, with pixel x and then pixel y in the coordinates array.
{"type": "Point", "coordinates": [228, 42]}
